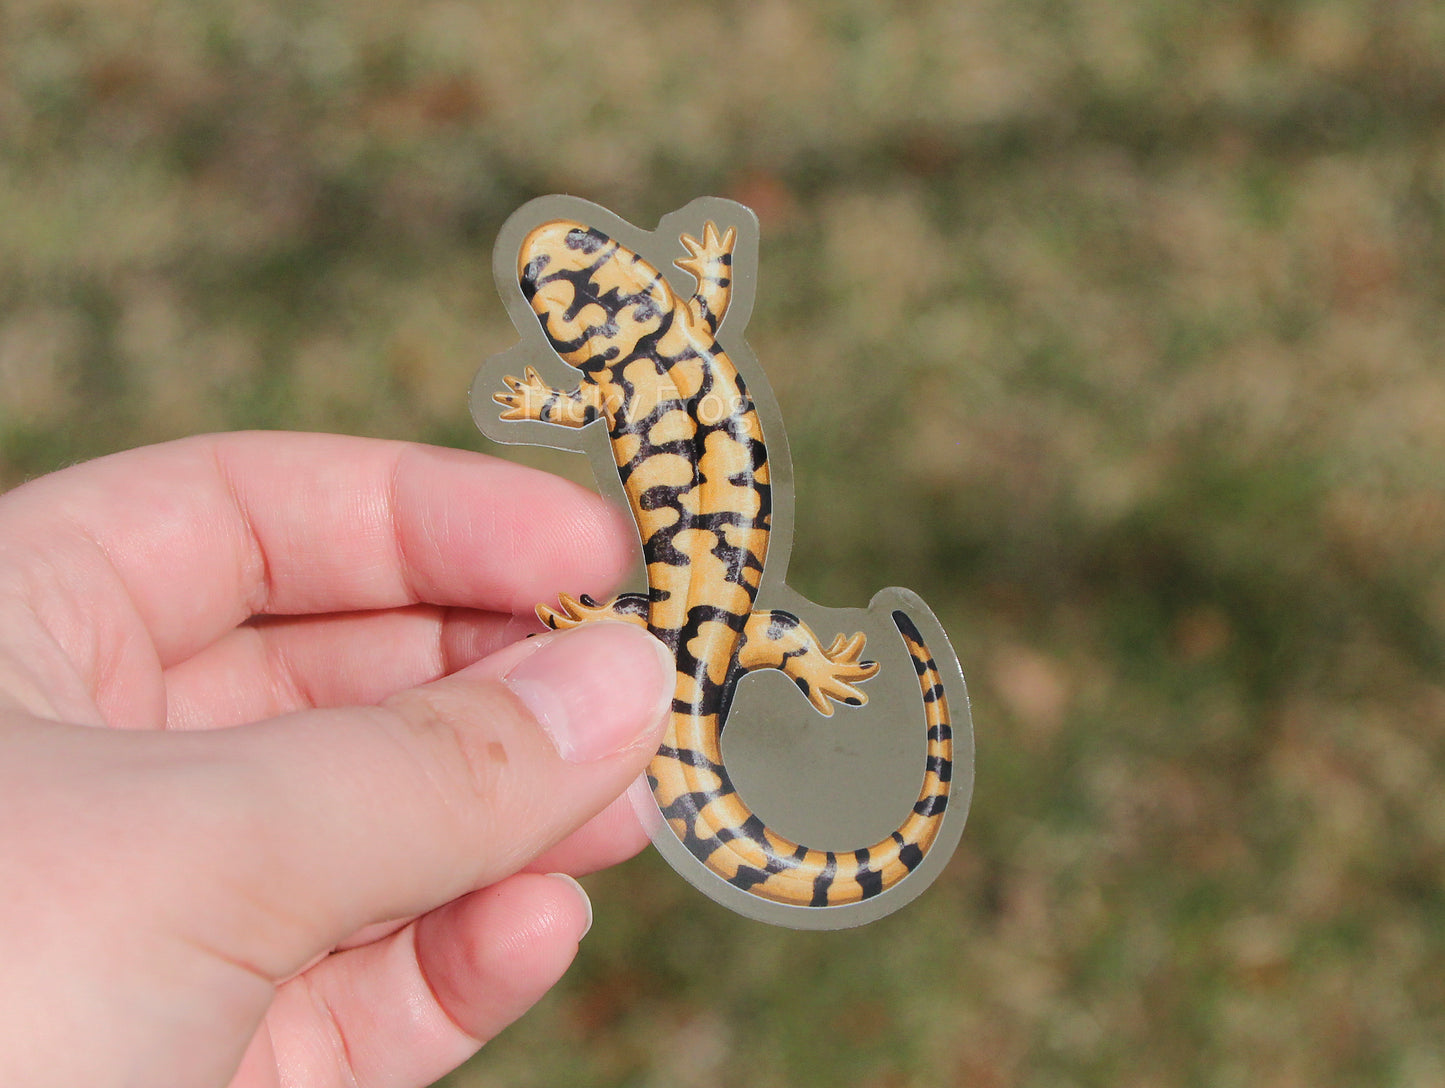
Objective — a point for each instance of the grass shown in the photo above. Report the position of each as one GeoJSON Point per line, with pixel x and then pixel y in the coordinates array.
{"type": "Point", "coordinates": [1113, 329]}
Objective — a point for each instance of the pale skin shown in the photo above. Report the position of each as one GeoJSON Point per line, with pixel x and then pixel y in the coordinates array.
{"type": "Point", "coordinates": [283, 789]}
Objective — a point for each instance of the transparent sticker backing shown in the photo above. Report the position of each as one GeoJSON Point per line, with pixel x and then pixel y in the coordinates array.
{"type": "Point", "coordinates": [818, 766]}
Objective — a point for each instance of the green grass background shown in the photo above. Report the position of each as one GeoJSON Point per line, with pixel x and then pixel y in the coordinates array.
{"type": "Point", "coordinates": [1112, 327]}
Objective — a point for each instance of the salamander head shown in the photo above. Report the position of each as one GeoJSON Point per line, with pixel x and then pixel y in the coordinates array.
{"type": "Point", "coordinates": [560, 246]}
{"type": "Point", "coordinates": [594, 298]}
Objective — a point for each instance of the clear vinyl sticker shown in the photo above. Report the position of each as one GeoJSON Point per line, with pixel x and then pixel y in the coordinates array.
{"type": "Point", "coordinates": [818, 766]}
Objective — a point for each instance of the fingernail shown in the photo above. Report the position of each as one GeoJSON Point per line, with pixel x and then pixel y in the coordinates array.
{"type": "Point", "coordinates": [597, 689]}
{"type": "Point", "coordinates": [581, 894]}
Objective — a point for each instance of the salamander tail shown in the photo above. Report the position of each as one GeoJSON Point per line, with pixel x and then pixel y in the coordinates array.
{"type": "Point", "coordinates": [700, 803]}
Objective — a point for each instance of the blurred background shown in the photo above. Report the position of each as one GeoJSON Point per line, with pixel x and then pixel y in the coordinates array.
{"type": "Point", "coordinates": [1114, 328]}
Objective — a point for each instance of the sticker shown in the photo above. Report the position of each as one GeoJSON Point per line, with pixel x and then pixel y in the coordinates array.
{"type": "Point", "coordinates": [819, 763]}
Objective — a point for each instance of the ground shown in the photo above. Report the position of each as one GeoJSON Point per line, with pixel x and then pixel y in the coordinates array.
{"type": "Point", "coordinates": [1130, 314]}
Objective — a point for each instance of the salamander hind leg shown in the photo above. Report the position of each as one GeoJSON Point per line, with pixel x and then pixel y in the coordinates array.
{"type": "Point", "coordinates": [710, 262]}
{"type": "Point", "coordinates": [780, 640]}
{"type": "Point", "coordinates": [629, 608]}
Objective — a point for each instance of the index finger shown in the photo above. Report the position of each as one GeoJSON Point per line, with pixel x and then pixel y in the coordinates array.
{"type": "Point", "coordinates": [195, 536]}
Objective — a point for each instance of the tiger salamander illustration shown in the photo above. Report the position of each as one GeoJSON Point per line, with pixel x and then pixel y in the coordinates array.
{"type": "Point", "coordinates": [690, 451]}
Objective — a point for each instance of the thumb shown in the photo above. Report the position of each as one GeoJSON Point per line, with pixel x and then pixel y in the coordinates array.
{"type": "Point", "coordinates": [328, 820]}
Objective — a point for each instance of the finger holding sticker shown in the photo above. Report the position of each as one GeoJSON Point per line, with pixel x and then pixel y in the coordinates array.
{"type": "Point", "coordinates": [803, 817]}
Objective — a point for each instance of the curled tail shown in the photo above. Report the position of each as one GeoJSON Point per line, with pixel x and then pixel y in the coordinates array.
{"type": "Point", "coordinates": [701, 805]}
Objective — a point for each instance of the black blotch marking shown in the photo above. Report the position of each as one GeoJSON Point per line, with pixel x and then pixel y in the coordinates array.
{"type": "Point", "coordinates": [932, 805]}
{"type": "Point", "coordinates": [824, 880]}
{"type": "Point", "coordinates": [532, 273]}
{"type": "Point", "coordinates": [586, 239]}
{"type": "Point", "coordinates": [869, 880]}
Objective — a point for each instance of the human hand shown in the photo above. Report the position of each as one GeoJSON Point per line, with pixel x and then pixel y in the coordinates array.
{"type": "Point", "coordinates": [266, 871]}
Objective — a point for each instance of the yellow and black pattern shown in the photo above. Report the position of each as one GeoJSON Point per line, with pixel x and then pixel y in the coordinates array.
{"type": "Point", "coordinates": [689, 450]}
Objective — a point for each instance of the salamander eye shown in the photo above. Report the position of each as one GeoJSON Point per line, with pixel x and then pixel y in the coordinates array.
{"type": "Point", "coordinates": [587, 241]}
{"type": "Point", "coordinates": [532, 273]}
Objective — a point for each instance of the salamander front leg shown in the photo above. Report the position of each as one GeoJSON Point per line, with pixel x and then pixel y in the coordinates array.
{"type": "Point", "coordinates": [629, 607]}
{"type": "Point", "coordinates": [710, 262]}
{"type": "Point", "coordinates": [779, 640]}
{"type": "Point", "coordinates": [530, 397]}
